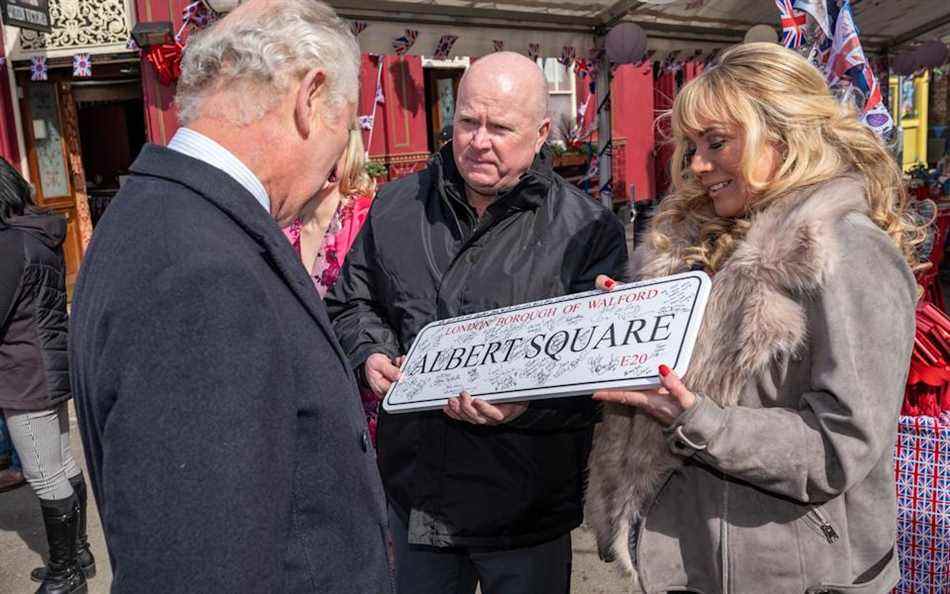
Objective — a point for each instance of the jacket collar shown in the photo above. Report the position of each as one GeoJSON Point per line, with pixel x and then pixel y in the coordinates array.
{"type": "Point", "coordinates": [224, 192]}
{"type": "Point", "coordinates": [529, 193]}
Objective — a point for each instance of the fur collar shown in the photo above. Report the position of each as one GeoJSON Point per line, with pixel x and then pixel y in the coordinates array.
{"type": "Point", "coordinates": [754, 318]}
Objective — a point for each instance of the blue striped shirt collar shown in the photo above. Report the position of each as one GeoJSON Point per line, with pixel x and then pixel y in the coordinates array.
{"type": "Point", "coordinates": [200, 147]}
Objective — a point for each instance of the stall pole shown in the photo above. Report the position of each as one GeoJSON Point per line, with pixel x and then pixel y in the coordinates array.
{"type": "Point", "coordinates": [603, 127]}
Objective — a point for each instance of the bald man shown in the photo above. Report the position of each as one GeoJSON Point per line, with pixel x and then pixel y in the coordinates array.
{"type": "Point", "coordinates": [476, 492]}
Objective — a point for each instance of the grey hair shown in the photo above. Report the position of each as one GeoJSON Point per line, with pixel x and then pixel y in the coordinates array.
{"type": "Point", "coordinates": [258, 54]}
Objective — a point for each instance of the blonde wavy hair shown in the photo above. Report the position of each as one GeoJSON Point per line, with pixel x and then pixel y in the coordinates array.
{"type": "Point", "coordinates": [770, 95]}
{"type": "Point", "coordinates": [351, 168]}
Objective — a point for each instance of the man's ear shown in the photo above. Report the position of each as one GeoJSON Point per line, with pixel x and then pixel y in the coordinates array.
{"type": "Point", "coordinates": [544, 129]}
{"type": "Point", "coordinates": [306, 105]}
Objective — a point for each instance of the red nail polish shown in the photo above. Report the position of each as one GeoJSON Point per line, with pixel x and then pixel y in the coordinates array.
{"type": "Point", "coordinates": [664, 370]}
{"type": "Point", "coordinates": [609, 284]}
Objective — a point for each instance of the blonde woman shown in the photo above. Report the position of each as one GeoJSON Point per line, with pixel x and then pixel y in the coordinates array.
{"type": "Point", "coordinates": [327, 226]}
{"type": "Point", "coordinates": [768, 468]}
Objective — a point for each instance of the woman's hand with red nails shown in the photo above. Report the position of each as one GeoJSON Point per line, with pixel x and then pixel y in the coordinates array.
{"type": "Point", "coordinates": [664, 404]}
{"type": "Point", "coordinates": [604, 282]}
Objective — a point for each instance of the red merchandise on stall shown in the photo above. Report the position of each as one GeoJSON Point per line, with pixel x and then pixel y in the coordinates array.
{"type": "Point", "coordinates": [159, 95]}
{"type": "Point", "coordinates": [664, 91]}
{"type": "Point", "coordinates": [9, 148]}
{"type": "Point", "coordinates": [928, 384]}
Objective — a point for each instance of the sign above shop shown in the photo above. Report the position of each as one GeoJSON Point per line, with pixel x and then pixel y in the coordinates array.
{"type": "Point", "coordinates": [26, 14]}
{"type": "Point", "coordinates": [565, 346]}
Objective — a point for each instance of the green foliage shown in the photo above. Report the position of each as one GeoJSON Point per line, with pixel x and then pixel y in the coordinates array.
{"type": "Point", "coordinates": [374, 169]}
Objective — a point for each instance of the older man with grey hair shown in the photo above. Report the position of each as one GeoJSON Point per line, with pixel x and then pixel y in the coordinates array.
{"type": "Point", "coordinates": [222, 425]}
{"type": "Point", "coordinates": [478, 493]}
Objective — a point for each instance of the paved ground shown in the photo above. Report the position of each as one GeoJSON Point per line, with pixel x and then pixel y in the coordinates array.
{"type": "Point", "coordinates": [23, 547]}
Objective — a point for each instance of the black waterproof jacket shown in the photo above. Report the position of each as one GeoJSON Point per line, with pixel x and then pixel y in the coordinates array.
{"type": "Point", "coordinates": [422, 256]}
{"type": "Point", "coordinates": [34, 370]}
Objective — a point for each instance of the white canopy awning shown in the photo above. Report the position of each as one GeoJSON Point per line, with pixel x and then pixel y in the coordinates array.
{"type": "Point", "coordinates": [676, 24]}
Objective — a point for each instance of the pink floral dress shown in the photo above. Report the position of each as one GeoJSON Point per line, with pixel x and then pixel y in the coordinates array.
{"type": "Point", "coordinates": [345, 223]}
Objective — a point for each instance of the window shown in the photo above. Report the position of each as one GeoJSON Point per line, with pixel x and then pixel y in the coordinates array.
{"type": "Point", "coordinates": [560, 97]}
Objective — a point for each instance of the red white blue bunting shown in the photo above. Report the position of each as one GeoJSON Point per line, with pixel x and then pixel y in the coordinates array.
{"type": "Point", "coordinates": [568, 53]}
{"type": "Point", "coordinates": [402, 43]}
{"type": "Point", "coordinates": [38, 68]}
{"type": "Point", "coordinates": [357, 27]}
{"type": "Point", "coordinates": [82, 66]}
{"type": "Point", "coordinates": [534, 51]}
{"type": "Point", "coordinates": [444, 46]}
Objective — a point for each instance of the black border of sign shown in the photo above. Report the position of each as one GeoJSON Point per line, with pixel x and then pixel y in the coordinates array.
{"type": "Point", "coordinates": [567, 299]}
{"type": "Point", "coordinates": [4, 4]}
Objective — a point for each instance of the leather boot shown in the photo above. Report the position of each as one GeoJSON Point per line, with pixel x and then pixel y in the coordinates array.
{"type": "Point", "coordinates": [84, 558]}
{"type": "Point", "coordinates": [61, 518]}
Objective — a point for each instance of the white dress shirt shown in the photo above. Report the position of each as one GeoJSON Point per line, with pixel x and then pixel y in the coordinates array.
{"type": "Point", "coordinates": [198, 146]}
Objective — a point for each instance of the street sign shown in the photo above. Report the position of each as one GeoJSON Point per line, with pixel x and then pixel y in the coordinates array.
{"type": "Point", "coordinates": [558, 347]}
{"type": "Point", "coordinates": [27, 14]}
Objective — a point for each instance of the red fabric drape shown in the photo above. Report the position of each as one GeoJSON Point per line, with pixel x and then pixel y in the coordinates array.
{"type": "Point", "coordinates": [9, 147]}
{"type": "Point", "coordinates": [400, 135]}
{"type": "Point", "coordinates": [691, 70]}
{"type": "Point", "coordinates": [633, 110]}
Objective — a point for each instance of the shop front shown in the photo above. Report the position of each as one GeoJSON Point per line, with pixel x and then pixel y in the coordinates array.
{"type": "Point", "coordinates": [72, 118]}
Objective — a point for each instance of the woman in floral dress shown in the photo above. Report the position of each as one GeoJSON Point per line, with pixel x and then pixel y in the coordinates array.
{"type": "Point", "coordinates": [326, 228]}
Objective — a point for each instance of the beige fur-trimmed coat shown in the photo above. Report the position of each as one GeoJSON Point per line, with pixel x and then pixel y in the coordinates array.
{"type": "Point", "coordinates": [780, 478]}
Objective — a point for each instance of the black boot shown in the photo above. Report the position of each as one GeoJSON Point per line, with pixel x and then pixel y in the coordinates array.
{"type": "Point", "coordinates": [87, 563]}
{"type": "Point", "coordinates": [61, 517]}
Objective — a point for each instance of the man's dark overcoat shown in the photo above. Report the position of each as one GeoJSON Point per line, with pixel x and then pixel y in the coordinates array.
{"type": "Point", "coordinates": [223, 429]}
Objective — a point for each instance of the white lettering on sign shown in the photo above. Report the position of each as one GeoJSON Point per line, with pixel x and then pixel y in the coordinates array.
{"type": "Point", "coordinates": [558, 347]}
{"type": "Point", "coordinates": [37, 16]}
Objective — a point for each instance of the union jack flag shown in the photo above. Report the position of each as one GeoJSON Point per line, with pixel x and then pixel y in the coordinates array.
{"type": "Point", "coordinates": [38, 68]}
{"type": "Point", "coordinates": [582, 108]}
{"type": "Point", "coordinates": [567, 55]}
{"type": "Point", "coordinates": [366, 122]}
{"type": "Point", "coordinates": [444, 46]}
{"type": "Point", "coordinates": [922, 470]}
{"type": "Point", "coordinates": [582, 68]}
{"type": "Point", "coordinates": [593, 170]}
{"type": "Point", "coordinates": [793, 24]}
{"type": "Point", "coordinates": [402, 43]}
{"type": "Point", "coordinates": [818, 9]}
{"type": "Point", "coordinates": [847, 62]}
{"type": "Point", "coordinates": [198, 14]}
{"type": "Point", "coordinates": [357, 27]}
{"type": "Point", "coordinates": [82, 66]}
{"type": "Point", "coordinates": [498, 45]}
